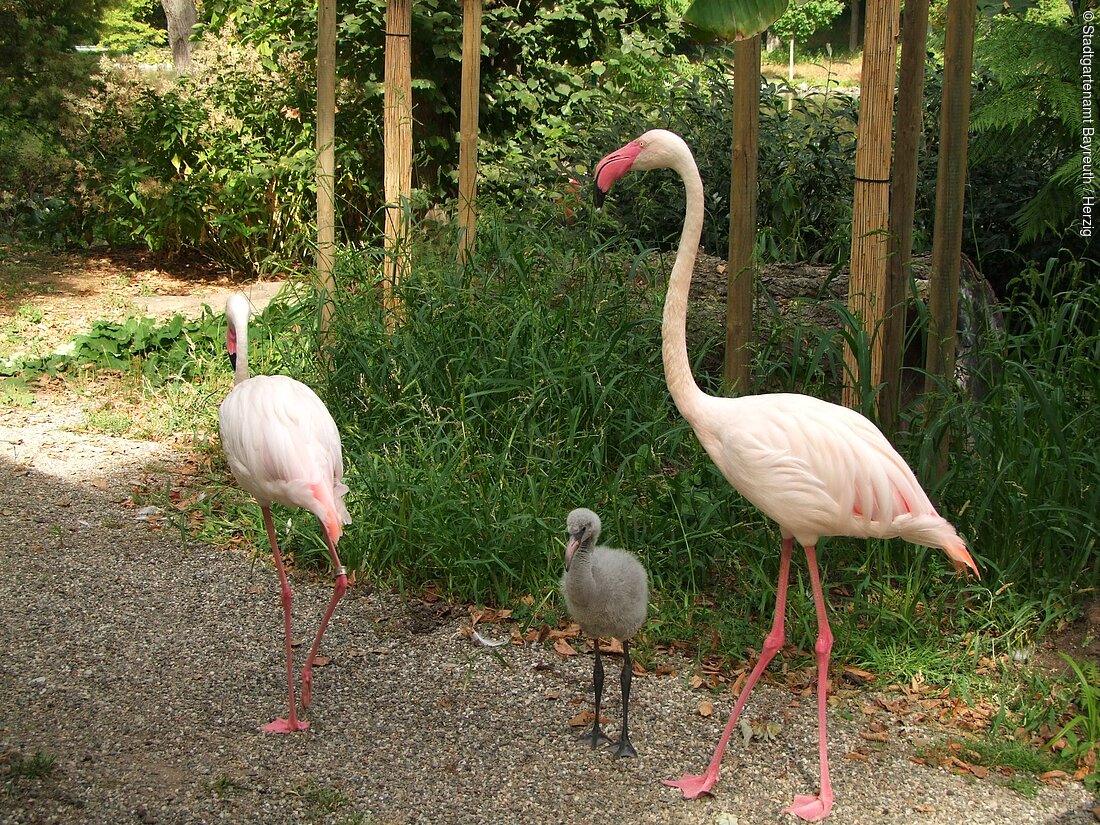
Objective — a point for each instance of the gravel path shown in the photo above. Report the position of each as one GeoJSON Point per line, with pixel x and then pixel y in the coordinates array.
{"type": "Point", "coordinates": [143, 662]}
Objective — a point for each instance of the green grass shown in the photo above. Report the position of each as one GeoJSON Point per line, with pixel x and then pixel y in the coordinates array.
{"type": "Point", "coordinates": [323, 802]}
{"type": "Point", "coordinates": [38, 766]}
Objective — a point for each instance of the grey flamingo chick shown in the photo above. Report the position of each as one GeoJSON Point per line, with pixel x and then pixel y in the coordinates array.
{"type": "Point", "coordinates": [607, 593]}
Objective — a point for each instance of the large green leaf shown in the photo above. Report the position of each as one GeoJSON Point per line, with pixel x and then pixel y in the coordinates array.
{"type": "Point", "coordinates": [734, 19]}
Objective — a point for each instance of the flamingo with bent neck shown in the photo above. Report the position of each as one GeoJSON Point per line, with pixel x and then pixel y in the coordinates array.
{"type": "Point", "coordinates": [282, 445]}
{"type": "Point", "coordinates": [816, 468]}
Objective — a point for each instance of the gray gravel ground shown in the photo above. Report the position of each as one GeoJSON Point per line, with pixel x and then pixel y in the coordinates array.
{"type": "Point", "coordinates": [144, 662]}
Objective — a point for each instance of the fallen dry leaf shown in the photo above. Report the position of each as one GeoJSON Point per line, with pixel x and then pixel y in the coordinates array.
{"type": "Point", "coordinates": [706, 709]}
{"type": "Point", "coordinates": [570, 631]}
{"type": "Point", "coordinates": [321, 661]}
{"type": "Point", "coordinates": [563, 648]}
{"type": "Point", "coordinates": [859, 677]}
{"type": "Point", "coordinates": [582, 719]}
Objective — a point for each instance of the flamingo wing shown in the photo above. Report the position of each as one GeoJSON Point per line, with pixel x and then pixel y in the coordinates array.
{"type": "Point", "coordinates": [282, 445]}
{"type": "Point", "coordinates": [817, 468]}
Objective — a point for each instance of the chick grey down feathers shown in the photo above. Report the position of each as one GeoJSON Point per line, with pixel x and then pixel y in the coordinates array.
{"type": "Point", "coordinates": [607, 592]}
{"type": "Point", "coordinates": [605, 589]}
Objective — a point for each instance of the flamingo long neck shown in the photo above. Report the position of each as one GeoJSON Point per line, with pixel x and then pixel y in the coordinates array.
{"type": "Point", "coordinates": [681, 384]}
{"type": "Point", "coordinates": [580, 569]}
{"type": "Point", "coordinates": [240, 360]}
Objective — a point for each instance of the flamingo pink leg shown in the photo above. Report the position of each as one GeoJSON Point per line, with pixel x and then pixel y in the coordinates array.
{"type": "Point", "coordinates": [813, 808]}
{"type": "Point", "coordinates": [692, 785]}
{"type": "Point", "coordinates": [337, 593]}
{"type": "Point", "coordinates": [292, 723]}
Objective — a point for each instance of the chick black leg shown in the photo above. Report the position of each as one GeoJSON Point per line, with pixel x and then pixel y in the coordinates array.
{"type": "Point", "coordinates": [596, 736]}
{"type": "Point", "coordinates": [624, 748]}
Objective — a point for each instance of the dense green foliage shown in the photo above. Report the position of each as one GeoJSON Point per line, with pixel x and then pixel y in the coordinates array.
{"type": "Point", "coordinates": [221, 160]}
{"type": "Point", "coordinates": [801, 20]}
{"type": "Point", "coordinates": [1029, 106]}
{"type": "Point", "coordinates": [158, 351]}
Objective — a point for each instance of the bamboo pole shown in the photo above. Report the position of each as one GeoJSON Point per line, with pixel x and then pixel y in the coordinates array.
{"type": "Point", "coordinates": [740, 274]}
{"type": "Point", "coordinates": [397, 140]}
{"type": "Point", "coordinates": [467, 147]}
{"type": "Point", "coordinates": [326, 158]}
{"type": "Point", "coordinates": [871, 198]}
{"type": "Point", "coordinates": [903, 196]}
{"type": "Point", "coordinates": [950, 199]}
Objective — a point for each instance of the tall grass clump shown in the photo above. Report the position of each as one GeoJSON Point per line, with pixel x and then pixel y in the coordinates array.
{"type": "Point", "coordinates": [511, 390]}
{"type": "Point", "coordinates": [1024, 468]}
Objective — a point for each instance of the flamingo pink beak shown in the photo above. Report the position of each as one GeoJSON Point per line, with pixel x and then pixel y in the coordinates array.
{"type": "Point", "coordinates": [231, 346]}
{"type": "Point", "coordinates": [570, 549]}
{"type": "Point", "coordinates": [613, 167]}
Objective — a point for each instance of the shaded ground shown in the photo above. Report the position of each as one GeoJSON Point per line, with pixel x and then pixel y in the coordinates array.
{"type": "Point", "coordinates": [46, 297]}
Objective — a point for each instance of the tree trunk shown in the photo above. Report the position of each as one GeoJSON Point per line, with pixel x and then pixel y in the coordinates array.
{"type": "Point", "coordinates": [181, 18]}
{"type": "Point", "coordinates": [467, 148]}
{"type": "Point", "coordinates": [853, 26]}
{"type": "Point", "coordinates": [871, 198]}
{"type": "Point", "coordinates": [326, 157]}
{"type": "Point", "coordinates": [397, 139]}
{"type": "Point", "coordinates": [740, 274]}
{"type": "Point", "coordinates": [914, 39]}
{"type": "Point", "coordinates": [950, 199]}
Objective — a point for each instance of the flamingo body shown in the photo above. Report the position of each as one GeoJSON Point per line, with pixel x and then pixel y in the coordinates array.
{"type": "Point", "coordinates": [283, 446]}
{"type": "Point", "coordinates": [820, 469]}
{"type": "Point", "coordinates": [816, 468]}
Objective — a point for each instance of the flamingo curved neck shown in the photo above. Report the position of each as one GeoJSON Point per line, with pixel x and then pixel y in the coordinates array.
{"type": "Point", "coordinates": [239, 331]}
{"type": "Point", "coordinates": [681, 384]}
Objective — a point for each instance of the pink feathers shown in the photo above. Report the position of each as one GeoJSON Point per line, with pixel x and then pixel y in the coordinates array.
{"type": "Point", "coordinates": [283, 446]}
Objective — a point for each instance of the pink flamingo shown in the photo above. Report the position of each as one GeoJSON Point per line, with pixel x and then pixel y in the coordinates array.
{"type": "Point", "coordinates": [816, 468]}
{"type": "Point", "coordinates": [282, 445]}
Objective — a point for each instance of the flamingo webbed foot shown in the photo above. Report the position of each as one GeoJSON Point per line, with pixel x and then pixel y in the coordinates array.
{"type": "Point", "coordinates": [624, 749]}
{"type": "Point", "coordinates": [810, 808]}
{"type": "Point", "coordinates": [595, 737]}
{"type": "Point", "coordinates": [692, 785]}
{"type": "Point", "coordinates": [284, 726]}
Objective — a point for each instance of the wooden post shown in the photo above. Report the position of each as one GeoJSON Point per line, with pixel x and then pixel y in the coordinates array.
{"type": "Point", "coordinates": [914, 39]}
{"type": "Point", "coordinates": [871, 199]}
{"type": "Point", "coordinates": [326, 158]}
{"type": "Point", "coordinates": [743, 196]}
{"type": "Point", "coordinates": [950, 198]}
{"type": "Point", "coordinates": [467, 147]}
{"type": "Point", "coordinates": [397, 140]}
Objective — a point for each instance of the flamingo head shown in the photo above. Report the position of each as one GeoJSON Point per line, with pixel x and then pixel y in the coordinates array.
{"type": "Point", "coordinates": [656, 149]}
{"type": "Point", "coordinates": [237, 311]}
{"type": "Point", "coordinates": [583, 527]}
